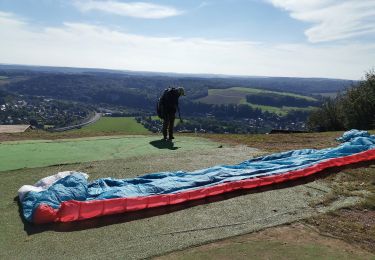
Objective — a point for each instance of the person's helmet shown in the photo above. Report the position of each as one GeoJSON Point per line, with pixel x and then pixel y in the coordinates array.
{"type": "Point", "coordinates": [181, 91]}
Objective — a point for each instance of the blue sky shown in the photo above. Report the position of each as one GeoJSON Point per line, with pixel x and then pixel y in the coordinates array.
{"type": "Point", "coordinates": [303, 38]}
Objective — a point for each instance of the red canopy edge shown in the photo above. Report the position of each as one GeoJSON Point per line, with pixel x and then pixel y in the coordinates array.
{"type": "Point", "coordinates": [73, 210]}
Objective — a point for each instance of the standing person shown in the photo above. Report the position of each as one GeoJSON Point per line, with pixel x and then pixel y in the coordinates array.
{"type": "Point", "coordinates": [167, 107]}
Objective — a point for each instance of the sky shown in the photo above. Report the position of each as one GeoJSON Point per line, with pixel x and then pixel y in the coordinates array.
{"type": "Point", "coordinates": [290, 38]}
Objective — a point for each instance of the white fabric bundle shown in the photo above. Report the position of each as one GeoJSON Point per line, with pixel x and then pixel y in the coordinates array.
{"type": "Point", "coordinates": [45, 183]}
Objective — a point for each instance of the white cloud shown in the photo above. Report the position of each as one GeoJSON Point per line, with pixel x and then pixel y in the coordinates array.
{"type": "Point", "coordinates": [9, 19]}
{"type": "Point", "coordinates": [204, 4]}
{"type": "Point", "coordinates": [85, 45]}
{"type": "Point", "coordinates": [332, 19]}
{"type": "Point", "coordinates": [132, 9]}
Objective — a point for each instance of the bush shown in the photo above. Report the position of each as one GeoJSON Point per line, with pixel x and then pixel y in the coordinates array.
{"type": "Point", "coordinates": [353, 109]}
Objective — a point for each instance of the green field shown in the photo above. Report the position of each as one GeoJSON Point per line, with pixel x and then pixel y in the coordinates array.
{"type": "Point", "coordinates": [329, 94]}
{"type": "Point", "coordinates": [281, 111]}
{"type": "Point", "coordinates": [123, 125]}
{"type": "Point", "coordinates": [237, 95]}
{"type": "Point", "coordinates": [3, 80]}
{"type": "Point", "coordinates": [255, 90]}
{"type": "Point", "coordinates": [30, 154]}
{"type": "Point", "coordinates": [176, 122]}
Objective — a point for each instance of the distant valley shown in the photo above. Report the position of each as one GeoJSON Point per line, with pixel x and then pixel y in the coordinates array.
{"type": "Point", "coordinates": [266, 102]}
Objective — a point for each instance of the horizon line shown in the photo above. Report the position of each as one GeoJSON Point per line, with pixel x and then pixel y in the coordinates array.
{"type": "Point", "coordinates": [208, 75]}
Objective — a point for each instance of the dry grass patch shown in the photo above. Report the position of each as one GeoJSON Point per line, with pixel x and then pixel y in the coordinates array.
{"type": "Point", "coordinates": [280, 142]}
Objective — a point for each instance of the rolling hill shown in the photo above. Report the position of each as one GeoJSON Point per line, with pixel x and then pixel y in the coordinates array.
{"type": "Point", "coordinates": [158, 81]}
{"type": "Point", "coordinates": [135, 94]}
{"type": "Point", "coordinates": [239, 95]}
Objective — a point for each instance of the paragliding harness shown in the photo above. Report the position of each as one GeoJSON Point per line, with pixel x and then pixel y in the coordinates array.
{"type": "Point", "coordinates": [160, 106]}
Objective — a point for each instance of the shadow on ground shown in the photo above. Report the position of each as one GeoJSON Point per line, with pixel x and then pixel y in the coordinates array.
{"type": "Point", "coordinates": [163, 144]}
{"type": "Point", "coordinates": [31, 229]}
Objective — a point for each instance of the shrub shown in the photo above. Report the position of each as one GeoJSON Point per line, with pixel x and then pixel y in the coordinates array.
{"type": "Point", "coordinates": [353, 109]}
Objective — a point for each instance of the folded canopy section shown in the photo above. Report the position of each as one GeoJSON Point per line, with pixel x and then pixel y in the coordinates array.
{"type": "Point", "coordinates": [72, 198]}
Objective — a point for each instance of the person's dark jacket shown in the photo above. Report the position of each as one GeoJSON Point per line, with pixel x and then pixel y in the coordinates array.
{"type": "Point", "coordinates": [169, 102]}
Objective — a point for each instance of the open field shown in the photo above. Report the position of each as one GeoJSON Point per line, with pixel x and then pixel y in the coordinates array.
{"type": "Point", "coordinates": [161, 231]}
{"type": "Point", "coordinates": [237, 95]}
{"type": "Point", "coordinates": [123, 125]}
{"type": "Point", "coordinates": [277, 110]}
{"type": "Point", "coordinates": [44, 135]}
{"type": "Point", "coordinates": [331, 95]}
{"type": "Point", "coordinates": [240, 92]}
{"type": "Point", "coordinates": [5, 80]}
{"type": "Point", "coordinates": [13, 128]}
{"type": "Point", "coordinates": [176, 121]}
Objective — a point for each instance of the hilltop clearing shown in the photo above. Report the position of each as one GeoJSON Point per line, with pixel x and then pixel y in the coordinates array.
{"type": "Point", "coordinates": [38, 153]}
{"type": "Point", "coordinates": [159, 231]}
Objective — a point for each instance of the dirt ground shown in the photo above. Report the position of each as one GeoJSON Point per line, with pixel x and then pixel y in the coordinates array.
{"type": "Point", "coordinates": [355, 226]}
{"type": "Point", "coordinates": [295, 241]}
{"type": "Point", "coordinates": [13, 128]}
{"type": "Point", "coordinates": [350, 230]}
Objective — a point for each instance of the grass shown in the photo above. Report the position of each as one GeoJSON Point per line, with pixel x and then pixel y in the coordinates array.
{"type": "Point", "coordinates": [5, 80]}
{"type": "Point", "coordinates": [176, 121]}
{"type": "Point", "coordinates": [254, 90]}
{"type": "Point", "coordinates": [221, 98]}
{"type": "Point", "coordinates": [354, 225]}
{"type": "Point", "coordinates": [99, 238]}
{"type": "Point", "coordinates": [266, 249]}
{"type": "Point", "coordinates": [277, 110]}
{"type": "Point", "coordinates": [44, 135]}
{"type": "Point", "coordinates": [329, 94]}
{"type": "Point", "coordinates": [280, 142]}
{"type": "Point", "coordinates": [237, 95]}
{"type": "Point", "coordinates": [123, 237]}
{"type": "Point", "coordinates": [238, 92]}
{"type": "Point", "coordinates": [30, 154]}
{"type": "Point", "coordinates": [123, 125]}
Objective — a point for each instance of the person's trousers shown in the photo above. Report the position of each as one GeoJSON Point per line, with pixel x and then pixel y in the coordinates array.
{"type": "Point", "coordinates": [168, 125]}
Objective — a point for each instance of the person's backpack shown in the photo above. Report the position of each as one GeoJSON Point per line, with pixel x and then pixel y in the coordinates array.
{"type": "Point", "coordinates": [159, 108]}
{"type": "Point", "coordinates": [160, 104]}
